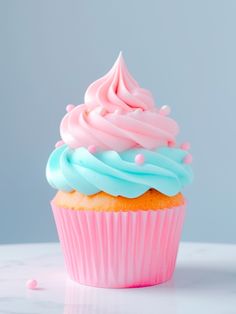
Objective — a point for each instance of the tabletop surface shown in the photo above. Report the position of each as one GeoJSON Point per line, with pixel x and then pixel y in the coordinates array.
{"type": "Point", "coordinates": [204, 282]}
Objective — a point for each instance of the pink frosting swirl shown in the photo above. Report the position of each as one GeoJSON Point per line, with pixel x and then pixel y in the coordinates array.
{"type": "Point", "coordinates": [117, 115]}
{"type": "Point", "coordinates": [118, 90]}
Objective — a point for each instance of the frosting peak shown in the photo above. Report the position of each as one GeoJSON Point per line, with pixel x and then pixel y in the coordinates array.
{"type": "Point", "coordinates": [117, 115]}
{"type": "Point", "coordinates": [119, 142]}
{"type": "Point", "coordinates": [118, 90]}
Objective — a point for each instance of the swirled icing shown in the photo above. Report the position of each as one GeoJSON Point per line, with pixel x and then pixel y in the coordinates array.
{"type": "Point", "coordinates": [118, 90]}
{"type": "Point", "coordinates": [118, 142]}
{"type": "Point", "coordinates": [117, 115]}
{"type": "Point", "coordinates": [117, 173]}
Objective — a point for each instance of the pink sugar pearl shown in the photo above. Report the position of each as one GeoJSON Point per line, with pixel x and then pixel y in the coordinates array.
{"type": "Point", "coordinates": [165, 110]}
{"type": "Point", "coordinates": [139, 159]}
{"type": "Point", "coordinates": [31, 284]}
{"type": "Point", "coordinates": [70, 107]}
{"type": "Point", "coordinates": [171, 144]}
{"type": "Point", "coordinates": [185, 146]}
{"type": "Point", "coordinates": [188, 159]}
{"type": "Point", "coordinates": [59, 143]}
{"type": "Point", "coordinates": [92, 149]}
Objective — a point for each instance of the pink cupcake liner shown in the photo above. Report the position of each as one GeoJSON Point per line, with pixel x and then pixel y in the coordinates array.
{"type": "Point", "coordinates": [119, 249]}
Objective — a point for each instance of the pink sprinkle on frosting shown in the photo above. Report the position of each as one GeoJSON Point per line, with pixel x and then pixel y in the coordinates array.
{"type": "Point", "coordinates": [59, 143]}
{"type": "Point", "coordinates": [188, 159]}
{"type": "Point", "coordinates": [165, 110]}
{"type": "Point", "coordinates": [185, 146]}
{"type": "Point", "coordinates": [92, 149]}
{"type": "Point", "coordinates": [171, 144]}
{"type": "Point", "coordinates": [139, 159]}
{"type": "Point", "coordinates": [70, 107]}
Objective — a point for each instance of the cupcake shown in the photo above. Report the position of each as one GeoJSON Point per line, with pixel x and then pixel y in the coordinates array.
{"type": "Point", "coordinates": [119, 209]}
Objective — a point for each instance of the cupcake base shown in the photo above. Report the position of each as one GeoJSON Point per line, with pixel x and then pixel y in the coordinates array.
{"type": "Point", "coordinates": [119, 249]}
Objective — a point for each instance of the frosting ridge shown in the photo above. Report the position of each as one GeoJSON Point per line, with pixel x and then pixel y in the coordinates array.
{"type": "Point", "coordinates": [118, 141]}
{"type": "Point", "coordinates": [116, 173]}
{"type": "Point", "coordinates": [118, 90]}
{"type": "Point", "coordinates": [117, 115]}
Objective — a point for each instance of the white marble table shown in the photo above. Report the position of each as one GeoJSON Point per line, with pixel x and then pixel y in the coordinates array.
{"type": "Point", "coordinates": [204, 282]}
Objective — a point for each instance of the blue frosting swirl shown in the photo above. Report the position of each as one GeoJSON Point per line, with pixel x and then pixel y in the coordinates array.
{"type": "Point", "coordinates": [117, 173]}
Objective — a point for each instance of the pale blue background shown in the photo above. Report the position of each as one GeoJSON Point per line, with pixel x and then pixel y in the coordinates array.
{"type": "Point", "coordinates": [183, 51]}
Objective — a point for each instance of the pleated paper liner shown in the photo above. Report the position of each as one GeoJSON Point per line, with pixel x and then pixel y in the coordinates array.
{"type": "Point", "coordinates": [119, 249]}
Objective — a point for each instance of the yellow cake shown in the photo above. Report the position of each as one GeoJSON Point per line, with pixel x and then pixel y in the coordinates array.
{"type": "Point", "coordinates": [152, 199]}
